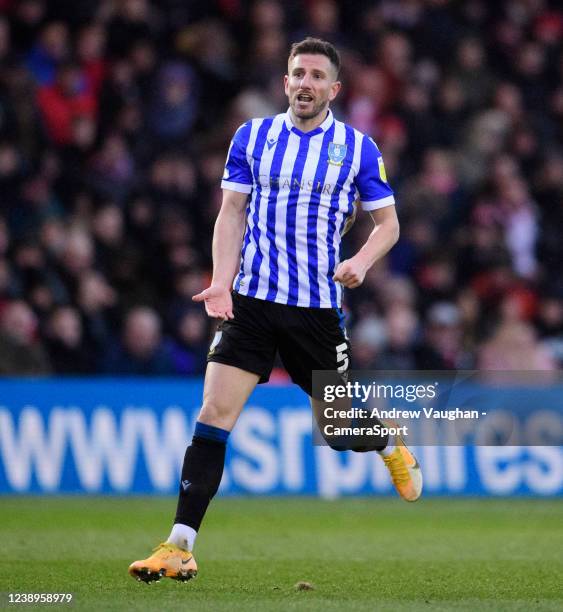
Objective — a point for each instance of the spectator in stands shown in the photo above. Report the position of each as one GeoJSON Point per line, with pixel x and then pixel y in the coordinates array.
{"type": "Point", "coordinates": [398, 351]}
{"type": "Point", "coordinates": [189, 350]}
{"type": "Point", "coordinates": [90, 52]}
{"type": "Point", "coordinates": [5, 42]}
{"type": "Point", "coordinates": [11, 173]}
{"type": "Point", "coordinates": [514, 346]}
{"type": "Point", "coordinates": [48, 53]}
{"type": "Point", "coordinates": [21, 352]}
{"type": "Point", "coordinates": [65, 342]}
{"type": "Point", "coordinates": [369, 336]}
{"type": "Point", "coordinates": [65, 100]}
{"type": "Point", "coordinates": [141, 350]}
{"type": "Point", "coordinates": [442, 347]}
{"type": "Point", "coordinates": [27, 18]}
{"type": "Point", "coordinates": [112, 168]}
{"type": "Point", "coordinates": [97, 301]}
{"type": "Point", "coordinates": [174, 104]}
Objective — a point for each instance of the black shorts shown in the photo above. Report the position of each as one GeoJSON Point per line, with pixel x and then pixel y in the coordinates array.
{"type": "Point", "coordinates": [307, 339]}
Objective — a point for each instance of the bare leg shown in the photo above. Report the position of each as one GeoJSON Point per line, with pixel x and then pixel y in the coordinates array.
{"type": "Point", "coordinates": [225, 393]}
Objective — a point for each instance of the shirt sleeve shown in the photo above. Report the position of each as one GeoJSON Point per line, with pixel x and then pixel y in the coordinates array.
{"type": "Point", "coordinates": [238, 174]}
{"type": "Point", "coordinates": [371, 181]}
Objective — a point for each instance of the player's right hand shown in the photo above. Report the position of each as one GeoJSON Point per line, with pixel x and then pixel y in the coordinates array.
{"type": "Point", "coordinates": [218, 302]}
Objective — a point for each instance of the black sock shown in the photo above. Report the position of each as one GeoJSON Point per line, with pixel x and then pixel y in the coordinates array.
{"type": "Point", "coordinates": [201, 475]}
{"type": "Point", "coordinates": [375, 443]}
{"type": "Point", "coordinates": [362, 444]}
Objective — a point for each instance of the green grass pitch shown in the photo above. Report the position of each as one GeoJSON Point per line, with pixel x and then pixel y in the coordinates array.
{"type": "Point", "coordinates": [358, 554]}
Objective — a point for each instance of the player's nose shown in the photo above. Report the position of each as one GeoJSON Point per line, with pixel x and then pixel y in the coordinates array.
{"type": "Point", "coordinates": [305, 82]}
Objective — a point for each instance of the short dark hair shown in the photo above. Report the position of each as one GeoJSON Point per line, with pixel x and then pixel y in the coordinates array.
{"type": "Point", "coordinates": [316, 46]}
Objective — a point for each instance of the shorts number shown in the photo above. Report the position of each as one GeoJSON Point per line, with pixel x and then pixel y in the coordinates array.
{"type": "Point", "coordinates": [342, 358]}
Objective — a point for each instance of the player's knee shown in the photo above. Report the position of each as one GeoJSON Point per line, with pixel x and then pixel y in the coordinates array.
{"type": "Point", "coordinates": [215, 413]}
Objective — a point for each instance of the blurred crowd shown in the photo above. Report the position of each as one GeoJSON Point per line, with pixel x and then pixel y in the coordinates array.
{"type": "Point", "coordinates": [115, 119]}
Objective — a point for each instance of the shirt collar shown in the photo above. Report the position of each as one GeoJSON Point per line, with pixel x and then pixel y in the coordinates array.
{"type": "Point", "coordinates": [323, 127]}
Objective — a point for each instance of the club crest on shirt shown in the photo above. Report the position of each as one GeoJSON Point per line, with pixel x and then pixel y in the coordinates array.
{"type": "Point", "coordinates": [336, 153]}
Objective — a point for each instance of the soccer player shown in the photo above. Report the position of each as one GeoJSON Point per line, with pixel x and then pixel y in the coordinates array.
{"type": "Point", "coordinates": [289, 188]}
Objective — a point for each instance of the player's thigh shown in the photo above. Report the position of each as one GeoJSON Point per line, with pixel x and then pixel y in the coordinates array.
{"type": "Point", "coordinates": [225, 393]}
{"type": "Point", "coordinates": [314, 339]}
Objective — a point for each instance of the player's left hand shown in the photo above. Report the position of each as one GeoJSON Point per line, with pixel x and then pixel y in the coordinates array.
{"type": "Point", "coordinates": [350, 273]}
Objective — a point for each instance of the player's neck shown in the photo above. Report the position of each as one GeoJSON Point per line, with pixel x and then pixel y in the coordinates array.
{"type": "Point", "coordinates": [308, 125]}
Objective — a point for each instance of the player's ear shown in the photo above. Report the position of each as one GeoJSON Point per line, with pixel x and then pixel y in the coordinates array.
{"type": "Point", "coordinates": [285, 84]}
{"type": "Point", "coordinates": [334, 89]}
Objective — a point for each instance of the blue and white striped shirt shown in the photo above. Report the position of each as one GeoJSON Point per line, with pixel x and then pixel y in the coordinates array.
{"type": "Point", "coordinates": [302, 188]}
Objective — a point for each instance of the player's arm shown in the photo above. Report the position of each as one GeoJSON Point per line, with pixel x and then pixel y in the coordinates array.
{"type": "Point", "coordinates": [229, 227]}
{"type": "Point", "coordinates": [376, 197]}
{"type": "Point", "coordinates": [227, 244]}
{"type": "Point", "coordinates": [351, 272]}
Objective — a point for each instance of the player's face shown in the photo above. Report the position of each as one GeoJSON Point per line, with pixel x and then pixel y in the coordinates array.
{"type": "Point", "coordinates": [310, 85]}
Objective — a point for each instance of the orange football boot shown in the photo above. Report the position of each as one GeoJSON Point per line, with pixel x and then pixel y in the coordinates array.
{"type": "Point", "coordinates": [167, 561]}
{"type": "Point", "coordinates": [405, 471]}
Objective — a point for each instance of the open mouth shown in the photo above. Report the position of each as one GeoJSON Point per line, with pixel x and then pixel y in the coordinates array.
{"type": "Point", "coordinates": [304, 98]}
